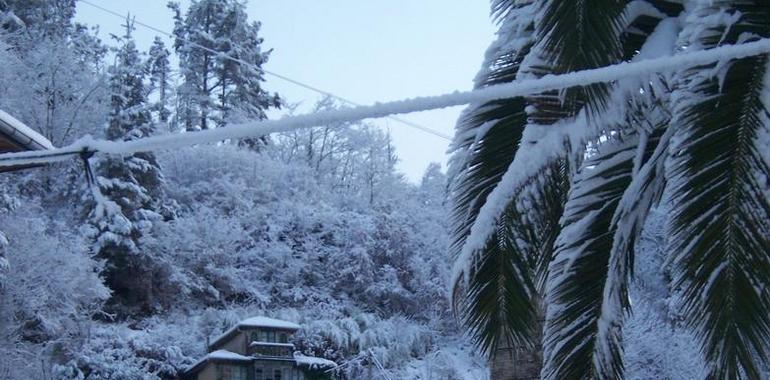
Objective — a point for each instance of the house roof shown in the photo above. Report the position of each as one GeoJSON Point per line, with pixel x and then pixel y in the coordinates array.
{"type": "Point", "coordinates": [313, 363]}
{"type": "Point", "coordinates": [17, 137]}
{"type": "Point", "coordinates": [24, 137]}
{"type": "Point", "coordinates": [309, 362]}
{"type": "Point", "coordinates": [254, 322]}
{"type": "Point", "coordinates": [218, 356]}
{"type": "Point", "coordinates": [269, 322]}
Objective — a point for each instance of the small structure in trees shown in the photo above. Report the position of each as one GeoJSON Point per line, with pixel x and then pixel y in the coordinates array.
{"type": "Point", "coordinates": [258, 348]}
{"type": "Point", "coordinates": [17, 137]}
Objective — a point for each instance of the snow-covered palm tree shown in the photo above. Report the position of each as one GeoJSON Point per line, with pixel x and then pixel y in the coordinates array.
{"type": "Point", "coordinates": [551, 191]}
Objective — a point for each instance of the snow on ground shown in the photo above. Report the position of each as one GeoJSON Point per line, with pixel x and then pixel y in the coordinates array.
{"type": "Point", "coordinates": [656, 345]}
{"type": "Point", "coordinates": [456, 361]}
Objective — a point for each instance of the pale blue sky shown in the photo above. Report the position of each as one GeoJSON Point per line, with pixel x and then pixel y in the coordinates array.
{"type": "Point", "coordinates": [363, 50]}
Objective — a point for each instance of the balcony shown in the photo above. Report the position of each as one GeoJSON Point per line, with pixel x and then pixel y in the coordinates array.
{"type": "Point", "coordinates": [271, 349]}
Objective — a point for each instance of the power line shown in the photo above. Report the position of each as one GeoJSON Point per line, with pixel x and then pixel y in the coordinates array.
{"type": "Point", "coordinates": [524, 87]}
{"type": "Point", "coordinates": [272, 73]}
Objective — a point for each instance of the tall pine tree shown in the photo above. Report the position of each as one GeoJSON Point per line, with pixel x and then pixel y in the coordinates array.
{"type": "Point", "coordinates": [130, 190]}
{"type": "Point", "coordinates": [159, 69]}
{"type": "Point", "coordinates": [215, 89]}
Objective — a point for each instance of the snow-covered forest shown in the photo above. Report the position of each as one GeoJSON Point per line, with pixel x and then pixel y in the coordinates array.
{"type": "Point", "coordinates": [130, 282]}
{"type": "Point", "coordinates": [605, 213]}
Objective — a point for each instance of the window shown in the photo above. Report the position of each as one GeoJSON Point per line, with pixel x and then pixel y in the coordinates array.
{"type": "Point", "coordinates": [284, 338]}
{"type": "Point", "coordinates": [277, 374]}
{"type": "Point", "coordinates": [232, 372]}
{"type": "Point", "coordinates": [259, 375]}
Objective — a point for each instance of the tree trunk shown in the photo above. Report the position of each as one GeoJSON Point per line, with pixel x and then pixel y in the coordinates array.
{"type": "Point", "coordinates": [511, 363]}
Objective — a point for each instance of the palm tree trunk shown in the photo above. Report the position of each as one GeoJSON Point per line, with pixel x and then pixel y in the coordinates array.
{"type": "Point", "coordinates": [512, 363]}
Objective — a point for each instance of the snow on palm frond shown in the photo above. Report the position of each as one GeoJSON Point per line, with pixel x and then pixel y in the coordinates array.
{"type": "Point", "coordinates": [487, 178]}
{"type": "Point", "coordinates": [587, 291]}
{"type": "Point", "coordinates": [573, 35]}
{"type": "Point", "coordinates": [578, 271]}
{"type": "Point", "coordinates": [488, 136]}
{"type": "Point", "coordinates": [720, 236]}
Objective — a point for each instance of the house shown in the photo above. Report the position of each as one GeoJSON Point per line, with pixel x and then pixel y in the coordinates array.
{"type": "Point", "coordinates": [17, 137]}
{"type": "Point", "coordinates": [258, 348]}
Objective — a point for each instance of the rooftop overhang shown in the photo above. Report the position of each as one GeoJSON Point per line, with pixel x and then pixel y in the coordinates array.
{"type": "Point", "coordinates": [17, 137]}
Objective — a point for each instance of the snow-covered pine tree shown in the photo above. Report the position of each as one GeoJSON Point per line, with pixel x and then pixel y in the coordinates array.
{"type": "Point", "coordinates": [130, 190]}
{"type": "Point", "coordinates": [159, 69]}
{"type": "Point", "coordinates": [41, 18]}
{"type": "Point", "coordinates": [216, 90]}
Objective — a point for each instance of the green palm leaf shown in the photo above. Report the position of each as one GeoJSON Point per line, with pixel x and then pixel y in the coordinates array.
{"type": "Point", "coordinates": [496, 305]}
{"type": "Point", "coordinates": [587, 294]}
{"type": "Point", "coordinates": [578, 271]}
{"type": "Point", "coordinates": [720, 236]}
{"type": "Point", "coordinates": [575, 35]}
{"type": "Point", "coordinates": [503, 299]}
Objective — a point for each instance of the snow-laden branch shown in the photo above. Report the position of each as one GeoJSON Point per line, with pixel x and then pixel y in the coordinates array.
{"type": "Point", "coordinates": [378, 110]}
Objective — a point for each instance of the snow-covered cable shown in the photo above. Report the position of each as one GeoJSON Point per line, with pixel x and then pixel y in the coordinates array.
{"type": "Point", "coordinates": [378, 110]}
{"type": "Point", "coordinates": [272, 73]}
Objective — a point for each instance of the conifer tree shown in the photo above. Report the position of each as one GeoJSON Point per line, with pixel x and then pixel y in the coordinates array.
{"type": "Point", "coordinates": [159, 69]}
{"type": "Point", "coordinates": [130, 189]}
{"type": "Point", "coordinates": [215, 89]}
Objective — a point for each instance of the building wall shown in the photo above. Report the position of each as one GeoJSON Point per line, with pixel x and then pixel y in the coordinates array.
{"type": "Point", "coordinates": [238, 344]}
{"type": "Point", "coordinates": [209, 372]}
{"type": "Point", "coordinates": [288, 370]}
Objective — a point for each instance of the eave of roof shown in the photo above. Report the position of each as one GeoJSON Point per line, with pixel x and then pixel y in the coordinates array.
{"type": "Point", "coordinates": [254, 322]}
{"type": "Point", "coordinates": [17, 137]}
{"type": "Point", "coordinates": [21, 135]}
{"type": "Point", "coordinates": [218, 356]}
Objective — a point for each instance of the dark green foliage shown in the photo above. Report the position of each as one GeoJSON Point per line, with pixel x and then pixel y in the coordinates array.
{"type": "Point", "coordinates": [578, 272]}
{"type": "Point", "coordinates": [576, 35]}
{"type": "Point", "coordinates": [719, 225]}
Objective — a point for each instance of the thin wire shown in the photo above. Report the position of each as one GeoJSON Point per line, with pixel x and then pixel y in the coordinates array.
{"type": "Point", "coordinates": [523, 87]}
{"type": "Point", "coordinates": [272, 73]}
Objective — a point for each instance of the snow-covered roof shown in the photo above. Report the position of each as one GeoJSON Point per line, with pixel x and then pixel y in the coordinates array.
{"type": "Point", "coordinates": [256, 322]}
{"type": "Point", "coordinates": [268, 322]}
{"type": "Point", "coordinates": [313, 362]}
{"type": "Point", "coordinates": [272, 344]}
{"type": "Point", "coordinates": [220, 355]}
{"type": "Point", "coordinates": [227, 355]}
{"type": "Point", "coordinates": [22, 135]}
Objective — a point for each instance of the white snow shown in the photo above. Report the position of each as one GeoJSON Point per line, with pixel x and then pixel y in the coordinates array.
{"type": "Point", "coordinates": [268, 322]}
{"type": "Point", "coordinates": [313, 362]}
{"type": "Point", "coordinates": [227, 355]}
{"type": "Point", "coordinates": [377, 110]}
{"type": "Point", "coordinates": [273, 344]}
{"type": "Point", "coordinates": [221, 355]}
{"type": "Point", "coordinates": [24, 134]}
{"type": "Point", "coordinates": [258, 322]}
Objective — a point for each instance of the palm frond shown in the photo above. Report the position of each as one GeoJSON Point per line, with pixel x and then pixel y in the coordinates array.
{"type": "Point", "coordinates": [488, 135]}
{"type": "Point", "coordinates": [720, 222]}
{"type": "Point", "coordinates": [492, 291]}
{"type": "Point", "coordinates": [502, 308]}
{"type": "Point", "coordinates": [578, 271]}
{"type": "Point", "coordinates": [642, 17]}
{"type": "Point", "coordinates": [575, 35]}
{"type": "Point", "coordinates": [535, 224]}
{"type": "Point", "coordinates": [587, 292]}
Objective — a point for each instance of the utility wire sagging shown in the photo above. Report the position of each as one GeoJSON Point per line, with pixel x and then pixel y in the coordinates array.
{"type": "Point", "coordinates": [379, 110]}
{"type": "Point", "coordinates": [268, 72]}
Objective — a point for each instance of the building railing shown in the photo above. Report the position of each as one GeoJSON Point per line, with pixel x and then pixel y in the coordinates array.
{"type": "Point", "coordinates": [270, 349]}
